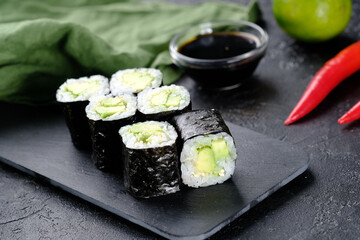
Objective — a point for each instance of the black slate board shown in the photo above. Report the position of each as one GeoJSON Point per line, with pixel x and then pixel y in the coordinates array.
{"type": "Point", "coordinates": [36, 141]}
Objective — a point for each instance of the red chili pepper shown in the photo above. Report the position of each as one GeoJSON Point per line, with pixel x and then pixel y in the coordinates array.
{"type": "Point", "coordinates": [352, 115]}
{"type": "Point", "coordinates": [344, 64]}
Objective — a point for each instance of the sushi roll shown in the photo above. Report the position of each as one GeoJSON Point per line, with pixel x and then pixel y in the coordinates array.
{"type": "Point", "coordinates": [73, 96]}
{"type": "Point", "coordinates": [163, 103]}
{"type": "Point", "coordinates": [135, 80]}
{"type": "Point", "coordinates": [106, 115]}
{"type": "Point", "coordinates": [150, 159]}
{"type": "Point", "coordinates": [208, 151]}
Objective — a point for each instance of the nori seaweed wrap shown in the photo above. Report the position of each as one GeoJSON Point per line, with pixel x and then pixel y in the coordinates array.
{"type": "Point", "coordinates": [73, 96]}
{"type": "Point", "coordinates": [161, 104]}
{"type": "Point", "coordinates": [107, 114]}
{"type": "Point", "coordinates": [199, 122]}
{"type": "Point", "coordinates": [208, 151]}
{"type": "Point", "coordinates": [150, 159]}
{"type": "Point", "coordinates": [76, 122]}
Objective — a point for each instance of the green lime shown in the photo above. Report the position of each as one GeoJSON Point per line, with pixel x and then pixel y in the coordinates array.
{"type": "Point", "coordinates": [312, 20]}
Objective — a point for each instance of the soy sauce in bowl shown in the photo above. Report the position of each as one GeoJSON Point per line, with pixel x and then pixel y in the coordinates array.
{"type": "Point", "coordinates": [219, 55]}
{"type": "Point", "coordinates": [219, 45]}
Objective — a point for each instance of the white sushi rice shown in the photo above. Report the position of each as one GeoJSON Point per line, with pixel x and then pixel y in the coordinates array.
{"type": "Point", "coordinates": [145, 105]}
{"type": "Point", "coordinates": [117, 84]}
{"type": "Point", "coordinates": [102, 88]}
{"type": "Point", "coordinates": [130, 110]}
{"type": "Point", "coordinates": [131, 141]}
{"type": "Point", "coordinates": [188, 158]}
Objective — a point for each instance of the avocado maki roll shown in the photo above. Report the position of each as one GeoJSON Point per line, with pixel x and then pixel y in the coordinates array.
{"type": "Point", "coordinates": [163, 103]}
{"type": "Point", "coordinates": [150, 159]}
{"type": "Point", "coordinates": [135, 80]}
{"type": "Point", "coordinates": [208, 151]}
{"type": "Point", "coordinates": [107, 114]}
{"type": "Point", "coordinates": [73, 96]}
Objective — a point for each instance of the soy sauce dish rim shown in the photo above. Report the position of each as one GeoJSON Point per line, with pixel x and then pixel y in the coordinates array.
{"type": "Point", "coordinates": [179, 58]}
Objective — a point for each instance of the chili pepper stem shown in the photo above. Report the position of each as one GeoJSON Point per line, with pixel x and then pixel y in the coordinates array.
{"type": "Point", "coordinates": [352, 115]}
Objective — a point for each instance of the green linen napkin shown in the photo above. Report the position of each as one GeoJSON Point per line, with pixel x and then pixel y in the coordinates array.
{"type": "Point", "coordinates": [44, 42]}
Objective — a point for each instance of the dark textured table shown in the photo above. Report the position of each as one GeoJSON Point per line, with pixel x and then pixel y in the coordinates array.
{"type": "Point", "coordinates": [323, 203]}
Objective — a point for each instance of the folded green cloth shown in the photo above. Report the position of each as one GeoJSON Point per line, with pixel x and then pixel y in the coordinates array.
{"type": "Point", "coordinates": [44, 42]}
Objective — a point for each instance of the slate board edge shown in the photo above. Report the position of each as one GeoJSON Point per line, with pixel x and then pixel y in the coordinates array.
{"type": "Point", "coordinates": [155, 230]}
{"type": "Point", "coordinates": [82, 196]}
{"type": "Point", "coordinates": [250, 205]}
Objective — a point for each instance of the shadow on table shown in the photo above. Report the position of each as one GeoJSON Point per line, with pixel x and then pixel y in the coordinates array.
{"type": "Point", "coordinates": [251, 92]}
{"type": "Point", "coordinates": [351, 126]}
{"type": "Point", "coordinates": [327, 49]}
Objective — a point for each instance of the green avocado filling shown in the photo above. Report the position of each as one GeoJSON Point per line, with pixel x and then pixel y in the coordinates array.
{"type": "Point", "coordinates": [208, 157]}
{"type": "Point", "coordinates": [220, 149]}
{"type": "Point", "coordinates": [113, 102]}
{"type": "Point", "coordinates": [110, 106]}
{"type": "Point", "coordinates": [173, 100]}
{"type": "Point", "coordinates": [206, 162]}
{"type": "Point", "coordinates": [80, 88]}
{"type": "Point", "coordinates": [166, 98]}
{"type": "Point", "coordinates": [137, 80]}
{"type": "Point", "coordinates": [144, 132]}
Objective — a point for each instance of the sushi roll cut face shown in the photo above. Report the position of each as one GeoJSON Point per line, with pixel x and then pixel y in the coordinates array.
{"type": "Point", "coordinates": [150, 134]}
{"type": "Point", "coordinates": [208, 159]}
{"type": "Point", "coordinates": [135, 80]}
{"type": "Point", "coordinates": [110, 108]}
{"type": "Point", "coordinates": [74, 90]}
{"type": "Point", "coordinates": [166, 98]}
